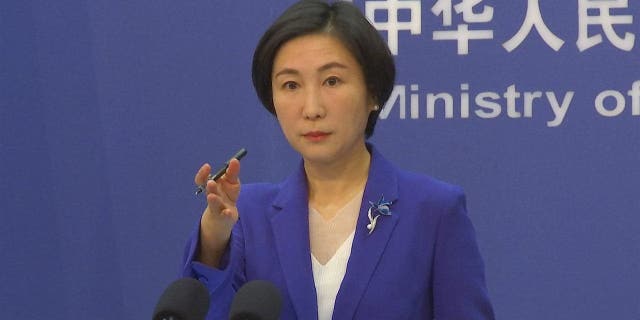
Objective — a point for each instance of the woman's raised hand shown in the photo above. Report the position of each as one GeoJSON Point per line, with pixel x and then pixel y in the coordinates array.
{"type": "Point", "coordinates": [221, 213]}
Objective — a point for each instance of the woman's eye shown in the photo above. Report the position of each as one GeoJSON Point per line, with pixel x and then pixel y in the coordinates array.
{"type": "Point", "coordinates": [290, 85]}
{"type": "Point", "coordinates": [332, 81]}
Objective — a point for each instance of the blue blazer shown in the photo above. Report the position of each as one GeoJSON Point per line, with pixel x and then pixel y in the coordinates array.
{"type": "Point", "coordinates": [421, 262]}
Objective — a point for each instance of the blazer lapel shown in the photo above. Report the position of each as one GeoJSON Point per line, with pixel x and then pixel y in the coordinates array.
{"type": "Point", "coordinates": [290, 226]}
{"type": "Point", "coordinates": [368, 248]}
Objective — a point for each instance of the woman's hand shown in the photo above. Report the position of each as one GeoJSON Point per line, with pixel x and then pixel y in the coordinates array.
{"type": "Point", "coordinates": [221, 213]}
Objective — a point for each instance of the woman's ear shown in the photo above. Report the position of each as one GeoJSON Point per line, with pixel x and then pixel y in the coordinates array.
{"type": "Point", "coordinates": [373, 104]}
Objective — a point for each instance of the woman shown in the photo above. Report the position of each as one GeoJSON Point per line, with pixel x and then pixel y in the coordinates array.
{"type": "Point", "coordinates": [347, 235]}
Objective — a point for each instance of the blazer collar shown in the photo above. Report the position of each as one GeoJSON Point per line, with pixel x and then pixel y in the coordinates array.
{"type": "Point", "coordinates": [290, 226]}
{"type": "Point", "coordinates": [368, 248]}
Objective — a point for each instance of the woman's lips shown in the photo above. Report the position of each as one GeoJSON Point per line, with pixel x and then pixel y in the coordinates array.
{"type": "Point", "coordinates": [316, 136]}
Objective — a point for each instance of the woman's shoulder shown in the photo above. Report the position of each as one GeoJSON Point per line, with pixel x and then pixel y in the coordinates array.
{"type": "Point", "coordinates": [416, 188]}
{"type": "Point", "coordinates": [423, 187]}
{"type": "Point", "coordinates": [258, 191]}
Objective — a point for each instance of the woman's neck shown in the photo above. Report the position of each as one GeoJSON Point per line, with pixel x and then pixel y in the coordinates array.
{"type": "Point", "coordinates": [332, 185]}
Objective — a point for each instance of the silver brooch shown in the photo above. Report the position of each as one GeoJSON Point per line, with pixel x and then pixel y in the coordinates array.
{"type": "Point", "coordinates": [376, 210]}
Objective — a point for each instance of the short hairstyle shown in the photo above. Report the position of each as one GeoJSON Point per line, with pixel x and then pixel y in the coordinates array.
{"type": "Point", "coordinates": [342, 20]}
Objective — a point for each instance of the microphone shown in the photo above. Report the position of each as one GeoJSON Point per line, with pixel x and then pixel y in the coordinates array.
{"type": "Point", "coordinates": [256, 300]}
{"type": "Point", "coordinates": [184, 299]}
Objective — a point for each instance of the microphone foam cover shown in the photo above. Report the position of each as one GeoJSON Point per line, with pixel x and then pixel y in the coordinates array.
{"type": "Point", "coordinates": [256, 300]}
{"type": "Point", "coordinates": [184, 299]}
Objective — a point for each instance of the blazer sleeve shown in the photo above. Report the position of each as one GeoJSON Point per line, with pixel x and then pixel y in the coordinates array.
{"type": "Point", "coordinates": [221, 283]}
{"type": "Point", "coordinates": [458, 275]}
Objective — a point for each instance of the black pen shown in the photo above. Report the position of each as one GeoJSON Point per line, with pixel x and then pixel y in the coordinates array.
{"type": "Point", "coordinates": [239, 155]}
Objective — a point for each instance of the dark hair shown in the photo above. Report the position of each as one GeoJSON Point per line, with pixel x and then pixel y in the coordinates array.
{"type": "Point", "coordinates": [342, 20]}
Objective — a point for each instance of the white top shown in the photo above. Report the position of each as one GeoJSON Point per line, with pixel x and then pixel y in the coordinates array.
{"type": "Point", "coordinates": [331, 242]}
{"type": "Point", "coordinates": [328, 278]}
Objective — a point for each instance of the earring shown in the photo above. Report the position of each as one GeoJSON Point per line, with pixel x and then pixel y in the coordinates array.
{"type": "Point", "coordinates": [376, 108]}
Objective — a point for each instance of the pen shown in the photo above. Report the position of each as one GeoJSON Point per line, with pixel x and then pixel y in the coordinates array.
{"type": "Point", "coordinates": [239, 155]}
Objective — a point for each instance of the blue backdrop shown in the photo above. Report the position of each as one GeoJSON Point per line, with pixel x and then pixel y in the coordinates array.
{"type": "Point", "coordinates": [107, 109]}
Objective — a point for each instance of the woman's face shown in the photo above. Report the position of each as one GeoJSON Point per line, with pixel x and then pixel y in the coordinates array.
{"type": "Point", "coordinates": [320, 98]}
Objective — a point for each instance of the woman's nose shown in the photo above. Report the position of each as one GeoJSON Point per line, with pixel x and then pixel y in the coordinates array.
{"type": "Point", "coordinates": [313, 106]}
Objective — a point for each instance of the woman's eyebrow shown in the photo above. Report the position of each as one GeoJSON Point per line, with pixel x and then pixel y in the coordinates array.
{"type": "Point", "coordinates": [332, 65]}
{"type": "Point", "coordinates": [286, 71]}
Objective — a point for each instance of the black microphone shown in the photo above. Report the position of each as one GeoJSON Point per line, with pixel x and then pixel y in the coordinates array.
{"type": "Point", "coordinates": [184, 299]}
{"type": "Point", "coordinates": [256, 300]}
